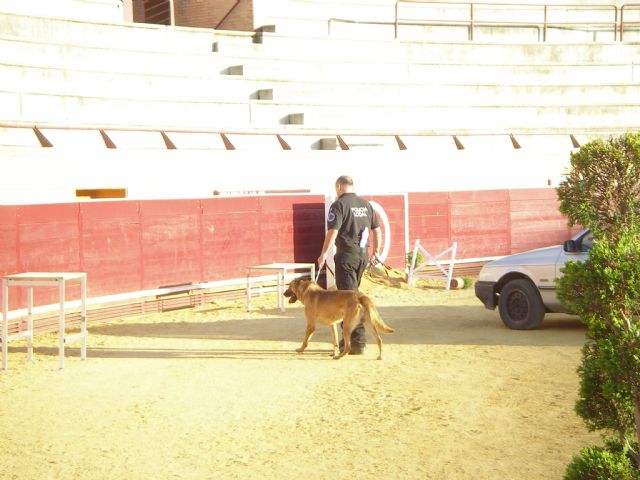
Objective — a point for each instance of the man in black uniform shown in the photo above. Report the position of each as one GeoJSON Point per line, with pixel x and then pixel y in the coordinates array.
{"type": "Point", "coordinates": [351, 222]}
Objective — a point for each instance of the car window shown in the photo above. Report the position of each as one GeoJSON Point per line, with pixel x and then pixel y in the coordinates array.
{"type": "Point", "coordinates": [586, 242]}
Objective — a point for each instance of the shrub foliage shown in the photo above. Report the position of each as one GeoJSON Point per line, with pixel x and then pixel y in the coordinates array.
{"type": "Point", "coordinates": [602, 192]}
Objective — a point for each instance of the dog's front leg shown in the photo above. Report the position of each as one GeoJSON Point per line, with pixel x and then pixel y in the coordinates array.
{"type": "Point", "coordinates": [334, 334]}
{"type": "Point", "coordinates": [308, 333]}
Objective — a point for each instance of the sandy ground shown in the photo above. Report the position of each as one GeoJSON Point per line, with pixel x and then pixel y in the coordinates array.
{"type": "Point", "coordinates": [219, 393]}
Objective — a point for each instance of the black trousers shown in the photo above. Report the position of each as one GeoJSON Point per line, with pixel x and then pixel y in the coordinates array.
{"type": "Point", "coordinates": [349, 270]}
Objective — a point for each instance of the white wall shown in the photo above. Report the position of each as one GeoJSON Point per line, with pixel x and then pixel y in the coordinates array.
{"type": "Point", "coordinates": [93, 10]}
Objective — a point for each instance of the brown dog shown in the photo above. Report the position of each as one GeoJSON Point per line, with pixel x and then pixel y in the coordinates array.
{"type": "Point", "coordinates": [331, 306]}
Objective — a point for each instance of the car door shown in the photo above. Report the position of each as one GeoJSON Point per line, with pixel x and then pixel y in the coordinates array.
{"type": "Point", "coordinates": [575, 250]}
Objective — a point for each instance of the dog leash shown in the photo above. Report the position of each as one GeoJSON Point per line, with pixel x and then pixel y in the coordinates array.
{"type": "Point", "coordinates": [325, 265]}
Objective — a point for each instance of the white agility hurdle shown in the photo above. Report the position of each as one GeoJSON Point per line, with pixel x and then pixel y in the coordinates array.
{"type": "Point", "coordinates": [418, 271]}
{"type": "Point", "coordinates": [45, 279]}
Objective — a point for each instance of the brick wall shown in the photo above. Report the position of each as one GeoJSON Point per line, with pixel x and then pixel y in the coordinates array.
{"type": "Point", "coordinates": [208, 13]}
{"type": "Point", "coordinates": [137, 7]}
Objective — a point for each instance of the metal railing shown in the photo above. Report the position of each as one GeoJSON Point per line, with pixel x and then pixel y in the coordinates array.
{"type": "Point", "coordinates": [539, 16]}
{"type": "Point", "coordinates": [623, 23]}
{"type": "Point", "coordinates": [543, 10]}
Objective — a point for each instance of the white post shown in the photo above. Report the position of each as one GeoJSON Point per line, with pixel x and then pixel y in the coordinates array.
{"type": "Point", "coordinates": [330, 278]}
{"type": "Point", "coordinates": [414, 256]}
{"type": "Point", "coordinates": [30, 324]}
{"type": "Point", "coordinates": [452, 260]}
{"type": "Point", "coordinates": [5, 322]}
{"type": "Point", "coordinates": [280, 276]}
{"type": "Point", "coordinates": [248, 290]}
{"type": "Point", "coordinates": [83, 316]}
{"type": "Point", "coordinates": [61, 325]}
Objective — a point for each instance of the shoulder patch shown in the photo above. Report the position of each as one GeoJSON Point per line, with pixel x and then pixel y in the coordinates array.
{"type": "Point", "coordinates": [331, 216]}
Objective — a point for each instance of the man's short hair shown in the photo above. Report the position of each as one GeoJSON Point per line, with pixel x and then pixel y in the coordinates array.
{"type": "Point", "coordinates": [344, 180]}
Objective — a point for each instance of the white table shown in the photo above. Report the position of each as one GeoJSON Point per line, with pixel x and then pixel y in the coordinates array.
{"type": "Point", "coordinates": [280, 270]}
{"type": "Point", "coordinates": [43, 279]}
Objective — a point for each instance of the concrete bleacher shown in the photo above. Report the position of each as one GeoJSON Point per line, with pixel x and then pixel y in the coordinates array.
{"type": "Point", "coordinates": [96, 83]}
{"type": "Point", "coordinates": [310, 89]}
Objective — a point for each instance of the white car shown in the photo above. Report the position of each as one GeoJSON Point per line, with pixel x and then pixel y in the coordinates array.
{"type": "Point", "coordinates": [523, 286]}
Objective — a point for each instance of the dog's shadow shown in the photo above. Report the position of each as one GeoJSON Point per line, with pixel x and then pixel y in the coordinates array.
{"type": "Point", "coordinates": [425, 325]}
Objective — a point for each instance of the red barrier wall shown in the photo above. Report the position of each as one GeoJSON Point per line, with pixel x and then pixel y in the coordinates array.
{"type": "Point", "coordinates": [128, 246]}
{"type": "Point", "coordinates": [394, 207]}
{"type": "Point", "coordinates": [486, 223]}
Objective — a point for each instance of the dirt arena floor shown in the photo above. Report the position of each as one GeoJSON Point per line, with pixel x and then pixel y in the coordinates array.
{"type": "Point", "coordinates": [218, 393]}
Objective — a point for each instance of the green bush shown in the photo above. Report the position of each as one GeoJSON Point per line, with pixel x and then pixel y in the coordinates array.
{"type": "Point", "coordinates": [602, 192]}
{"type": "Point", "coordinates": [419, 259]}
{"type": "Point", "coordinates": [603, 403]}
{"type": "Point", "coordinates": [597, 463]}
{"type": "Point", "coordinates": [601, 189]}
{"type": "Point", "coordinates": [468, 282]}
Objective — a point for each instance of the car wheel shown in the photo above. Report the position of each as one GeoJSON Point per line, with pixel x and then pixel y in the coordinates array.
{"type": "Point", "coordinates": [520, 305]}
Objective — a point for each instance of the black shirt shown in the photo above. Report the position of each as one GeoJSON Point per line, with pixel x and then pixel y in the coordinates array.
{"type": "Point", "coordinates": [354, 219]}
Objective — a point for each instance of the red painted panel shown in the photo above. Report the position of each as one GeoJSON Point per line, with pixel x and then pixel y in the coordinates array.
{"type": "Point", "coordinates": [230, 205]}
{"type": "Point", "coordinates": [488, 245]}
{"type": "Point", "coordinates": [8, 214]}
{"type": "Point", "coordinates": [229, 242]}
{"type": "Point", "coordinates": [480, 210]}
{"type": "Point", "coordinates": [8, 246]}
{"type": "Point", "coordinates": [533, 194]}
{"type": "Point", "coordinates": [49, 237]}
{"type": "Point", "coordinates": [111, 249]}
{"type": "Point", "coordinates": [429, 220]}
{"type": "Point", "coordinates": [171, 242]}
{"type": "Point", "coordinates": [116, 209]}
{"type": "Point", "coordinates": [428, 198]}
{"type": "Point", "coordinates": [276, 225]}
{"type": "Point", "coordinates": [61, 212]}
{"type": "Point", "coordinates": [479, 196]}
{"type": "Point", "coordinates": [480, 223]}
{"type": "Point", "coordinates": [394, 206]}
{"type": "Point", "coordinates": [536, 220]}
{"type": "Point", "coordinates": [8, 240]}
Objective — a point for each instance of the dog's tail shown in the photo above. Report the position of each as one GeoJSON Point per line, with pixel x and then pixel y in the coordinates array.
{"type": "Point", "coordinates": [372, 312]}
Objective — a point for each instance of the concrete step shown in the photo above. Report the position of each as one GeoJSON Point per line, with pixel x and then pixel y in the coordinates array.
{"type": "Point", "coordinates": [60, 81]}
{"type": "Point", "coordinates": [21, 52]}
{"type": "Point", "coordinates": [211, 64]}
{"type": "Point", "coordinates": [39, 108]}
{"type": "Point", "coordinates": [275, 45]}
{"type": "Point", "coordinates": [112, 111]}
{"type": "Point", "coordinates": [116, 35]}
{"type": "Point", "coordinates": [409, 94]}
{"type": "Point", "coordinates": [331, 71]}
{"type": "Point", "coordinates": [233, 88]}
{"type": "Point", "coordinates": [449, 118]}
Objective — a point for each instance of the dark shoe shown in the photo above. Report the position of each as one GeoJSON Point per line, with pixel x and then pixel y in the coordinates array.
{"type": "Point", "coordinates": [357, 349]}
